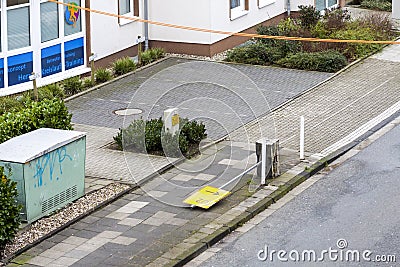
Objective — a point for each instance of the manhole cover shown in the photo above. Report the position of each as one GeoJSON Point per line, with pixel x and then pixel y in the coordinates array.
{"type": "Point", "coordinates": [128, 111]}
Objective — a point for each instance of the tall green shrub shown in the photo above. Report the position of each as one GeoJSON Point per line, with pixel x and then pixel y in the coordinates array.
{"type": "Point", "coordinates": [9, 211]}
{"type": "Point", "coordinates": [123, 65]}
{"type": "Point", "coordinates": [330, 61]}
{"type": "Point", "coordinates": [72, 85]}
{"type": "Point", "coordinates": [50, 113]}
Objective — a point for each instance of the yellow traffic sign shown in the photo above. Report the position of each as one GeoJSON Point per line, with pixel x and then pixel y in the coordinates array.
{"type": "Point", "coordinates": [206, 197]}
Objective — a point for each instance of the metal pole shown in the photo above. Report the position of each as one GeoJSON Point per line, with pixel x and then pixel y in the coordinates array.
{"type": "Point", "coordinates": [263, 160]}
{"type": "Point", "coordinates": [302, 137]}
{"type": "Point", "coordinates": [146, 25]}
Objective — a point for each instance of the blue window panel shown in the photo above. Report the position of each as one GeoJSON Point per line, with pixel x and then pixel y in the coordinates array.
{"type": "Point", "coordinates": [51, 60]}
{"type": "Point", "coordinates": [20, 67]}
{"type": "Point", "coordinates": [74, 53]}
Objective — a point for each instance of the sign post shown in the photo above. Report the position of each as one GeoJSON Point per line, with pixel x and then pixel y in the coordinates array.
{"type": "Point", "coordinates": [91, 59]}
{"type": "Point", "coordinates": [33, 78]}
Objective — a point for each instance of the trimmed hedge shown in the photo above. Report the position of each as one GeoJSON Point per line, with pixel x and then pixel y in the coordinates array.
{"type": "Point", "coordinates": [9, 212]}
{"type": "Point", "coordinates": [46, 114]}
{"type": "Point", "coordinates": [381, 5]}
{"type": "Point", "coordinates": [330, 61]}
{"type": "Point", "coordinates": [256, 53]}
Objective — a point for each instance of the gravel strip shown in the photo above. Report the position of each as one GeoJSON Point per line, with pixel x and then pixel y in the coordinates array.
{"type": "Point", "coordinates": [217, 57]}
{"type": "Point", "coordinates": [46, 225]}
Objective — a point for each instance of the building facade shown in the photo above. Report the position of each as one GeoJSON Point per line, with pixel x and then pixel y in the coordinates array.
{"type": "Point", "coordinates": [54, 41]}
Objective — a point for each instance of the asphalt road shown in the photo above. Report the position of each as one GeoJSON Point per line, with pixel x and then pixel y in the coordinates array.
{"type": "Point", "coordinates": [357, 203]}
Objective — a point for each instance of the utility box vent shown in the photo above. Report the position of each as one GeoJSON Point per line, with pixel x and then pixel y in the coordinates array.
{"type": "Point", "coordinates": [65, 196]}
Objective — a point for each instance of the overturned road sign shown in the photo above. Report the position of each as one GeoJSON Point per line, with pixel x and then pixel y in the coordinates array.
{"type": "Point", "coordinates": [206, 197]}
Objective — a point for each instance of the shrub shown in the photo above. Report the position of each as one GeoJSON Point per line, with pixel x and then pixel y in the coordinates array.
{"type": "Point", "coordinates": [308, 16]}
{"type": "Point", "coordinates": [380, 24]}
{"type": "Point", "coordinates": [87, 83]}
{"type": "Point", "coordinates": [9, 212]}
{"type": "Point", "coordinates": [283, 46]}
{"type": "Point", "coordinates": [174, 145]}
{"type": "Point", "coordinates": [9, 104]}
{"type": "Point", "coordinates": [193, 130]}
{"type": "Point", "coordinates": [146, 57]}
{"type": "Point", "coordinates": [336, 19]}
{"type": "Point", "coordinates": [151, 55]}
{"type": "Point", "coordinates": [72, 85]}
{"type": "Point", "coordinates": [330, 61]}
{"type": "Point", "coordinates": [48, 113]}
{"type": "Point", "coordinates": [51, 91]}
{"type": "Point", "coordinates": [149, 136]}
{"type": "Point", "coordinates": [123, 65]}
{"type": "Point", "coordinates": [381, 5]}
{"type": "Point", "coordinates": [157, 53]}
{"type": "Point", "coordinates": [102, 75]}
{"type": "Point", "coordinates": [356, 50]}
{"type": "Point", "coordinates": [255, 53]}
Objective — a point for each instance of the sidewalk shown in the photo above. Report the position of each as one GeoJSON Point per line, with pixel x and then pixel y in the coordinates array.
{"type": "Point", "coordinates": [144, 228]}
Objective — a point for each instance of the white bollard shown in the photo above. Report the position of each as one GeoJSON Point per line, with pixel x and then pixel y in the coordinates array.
{"type": "Point", "coordinates": [171, 121]}
{"type": "Point", "coordinates": [302, 137]}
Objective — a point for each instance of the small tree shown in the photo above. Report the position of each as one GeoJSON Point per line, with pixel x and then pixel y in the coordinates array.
{"type": "Point", "coordinates": [308, 16]}
{"type": "Point", "coordinates": [9, 211]}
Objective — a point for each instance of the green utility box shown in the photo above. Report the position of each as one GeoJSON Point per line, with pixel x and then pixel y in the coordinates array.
{"type": "Point", "coordinates": [49, 168]}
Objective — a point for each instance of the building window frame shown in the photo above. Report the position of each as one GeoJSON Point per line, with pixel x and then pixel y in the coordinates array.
{"type": "Point", "coordinates": [238, 8]}
{"type": "Point", "coordinates": [133, 11]}
{"type": "Point", "coordinates": [264, 3]}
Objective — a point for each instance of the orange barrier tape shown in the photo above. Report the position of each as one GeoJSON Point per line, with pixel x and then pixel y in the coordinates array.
{"type": "Point", "coordinates": [251, 35]}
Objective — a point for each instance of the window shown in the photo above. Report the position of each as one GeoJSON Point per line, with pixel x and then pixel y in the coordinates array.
{"type": "Point", "coordinates": [321, 5]}
{"type": "Point", "coordinates": [238, 8]}
{"type": "Point", "coordinates": [72, 18]}
{"type": "Point", "coordinates": [125, 7]}
{"type": "Point", "coordinates": [263, 3]}
{"type": "Point", "coordinates": [18, 27]}
{"type": "Point", "coordinates": [48, 21]}
{"type": "Point", "coordinates": [235, 3]}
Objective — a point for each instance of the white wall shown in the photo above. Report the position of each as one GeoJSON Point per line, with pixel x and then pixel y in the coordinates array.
{"type": "Point", "coordinates": [192, 13]}
{"type": "Point", "coordinates": [209, 14]}
{"type": "Point", "coordinates": [107, 35]}
{"type": "Point", "coordinates": [220, 19]}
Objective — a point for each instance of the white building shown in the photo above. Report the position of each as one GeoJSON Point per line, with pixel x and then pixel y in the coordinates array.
{"type": "Point", "coordinates": [55, 41]}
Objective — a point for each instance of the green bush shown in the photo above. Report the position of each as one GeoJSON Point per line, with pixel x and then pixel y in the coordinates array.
{"type": "Point", "coordinates": [283, 46]}
{"type": "Point", "coordinates": [381, 5]}
{"type": "Point", "coordinates": [72, 85]}
{"type": "Point", "coordinates": [146, 57]}
{"type": "Point", "coordinates": [356, 50]}
{"type": "Point", "coordinates": [256, 53]}
{"type": "Point", "coordinates": [9, 212]}
{"type": "Point", "coordinates": [46, 114]}
{"type": "Point", "coordinates": [87, 82]}
{"type": "Point", "coordinates": [308, 16]}
{"type": "Point", "coordinates": [9, 104]}
{"type": "Point", "coordinates": [102, 75]}
{"type": "Point", "coordinates": [151, 55]}
{"type": "Point", "coordinates": [51, 91]}
{"type": "Point", "coordinates": [330, 61]}
{"type": "Point", "coordinates": [149, 136]}
{"type": "Point", "coordinates": [123, 65]}
{"type": "Point", "coordinates": [157, 53]}
{"type": "Point", "coordinates": [193, 130]}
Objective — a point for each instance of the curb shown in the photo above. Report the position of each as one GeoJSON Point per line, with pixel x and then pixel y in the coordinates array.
{"type": "Point", "coordinates": [264, 203]}
{"type": "Point", "coordinates": [64, 226]}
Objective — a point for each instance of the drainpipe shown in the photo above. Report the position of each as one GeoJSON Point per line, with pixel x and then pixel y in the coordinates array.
{"type": "Point", "coordinates": [146, 25]}
{"type": "Point", "coordinates": [288, 8]}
